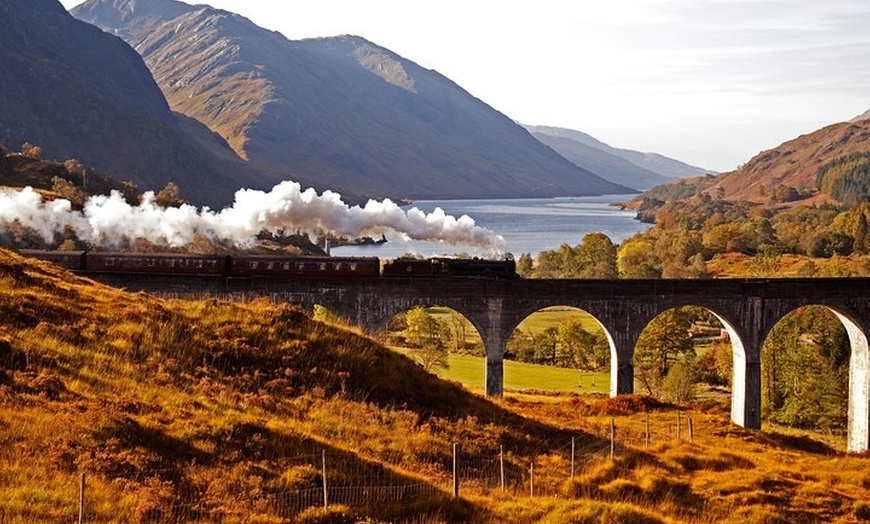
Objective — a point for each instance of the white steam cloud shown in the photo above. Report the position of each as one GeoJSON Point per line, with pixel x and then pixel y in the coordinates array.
{"type": "Point", "coordinates": [108, 220]}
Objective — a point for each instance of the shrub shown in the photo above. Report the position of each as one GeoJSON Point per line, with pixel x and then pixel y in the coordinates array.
{"type": "Point", "coordinates": [331, 515]}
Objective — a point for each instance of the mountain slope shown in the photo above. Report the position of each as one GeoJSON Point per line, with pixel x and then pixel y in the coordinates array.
{"type": "Point", "coordinates": [659, 164]}
{"type": "Point", "coordinates": [608, 166]}
{"type": "Point", "coordinates": [863, 116]}
{"type": "Point", "coordinates": [336, 111]}
{"type": "Point", "coordinates": [794, 163]}
{"type": "Point", "coordinates": [78, 92]}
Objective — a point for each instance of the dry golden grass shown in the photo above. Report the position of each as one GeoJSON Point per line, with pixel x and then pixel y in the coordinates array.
{"type": "Point", "coordinates": [737, 265]}
{"type": "Point", "coordinates": [201, 410]}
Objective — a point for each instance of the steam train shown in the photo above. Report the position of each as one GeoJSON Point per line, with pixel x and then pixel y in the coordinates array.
{"type": "Point", "coordinates": [242, 266]}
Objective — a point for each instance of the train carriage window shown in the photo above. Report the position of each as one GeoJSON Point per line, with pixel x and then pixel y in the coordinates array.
{"type": "Point", "coordinates": [285, 266]}
{"type": "Point", "coordinates": [353, 266]}
{"type": "Point", "coordinates": [323, 266]}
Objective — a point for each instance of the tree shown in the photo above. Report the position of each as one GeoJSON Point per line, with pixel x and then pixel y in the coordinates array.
{"type": "Point", "coordinates": [425, 333]}
{"type": "Point", "coordinates": [716, 365]}
{"type": "Point", "coordinates": [32, 151]}
{"type": "Point", "coordinates": [549, 265]}
{"type": "Point", "coordinates": [596, 257]}
{"type": "Point", "coordinates": [805, 361]}
{"type": "Point", "coordinates": [664, 340]}
{"type": "Point", "coordinates": [679, 384]}
{"type": "Point", "coordinates": [544, 344]}
{"type": "Point", "coordinates": [580, 349]}
{"type": "Point", "coordinates": [458, 331]}
{"type": "Point", "coordinates": [525, 265]}
{"type": "Point", "coordinates": [131, 192]}
{"type": "Point", "coordinates": [637, 259]}
{"type": "Point", "coordinates": [69, 191]}
{"type": "Point", "coordinates": [520, 347]}
{"type": "Point", "coordinates": [860, 233]}
{"type": "Point", "coordinates": [169, 196]}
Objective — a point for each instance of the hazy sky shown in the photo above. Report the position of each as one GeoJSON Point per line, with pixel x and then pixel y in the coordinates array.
{"type": "Point", "coordinates": [710, 82]}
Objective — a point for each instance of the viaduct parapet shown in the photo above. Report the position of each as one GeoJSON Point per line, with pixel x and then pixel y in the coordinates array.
{"type": "Point", "coordinates": [748, 308]}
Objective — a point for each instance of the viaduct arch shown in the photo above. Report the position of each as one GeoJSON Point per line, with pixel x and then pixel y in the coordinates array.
{"type": "Point", "coordinates": [747, 308]}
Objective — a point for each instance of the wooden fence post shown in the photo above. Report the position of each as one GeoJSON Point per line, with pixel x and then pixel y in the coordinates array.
{"type": "Point", "coordinates": [325, 490]}
{"type": "Point", "coordinates": [572, 458]}
{"type": "Point", "coordinates": [532, 478]}
{"type": "Point", "coordinates": [691, 430]}
{"type": "Point", "coordinates": [612, 437]}
{"type": "Point", "coordinates": [501, 466]}
{"type": "Point", "coordinates": [455, 472]}
{"type": "Point", "coordinates": [82, 499]}
{"type": "Point", "coordinates": [647, 434]}
{"type": "Point", "coordinates": [679, 427]}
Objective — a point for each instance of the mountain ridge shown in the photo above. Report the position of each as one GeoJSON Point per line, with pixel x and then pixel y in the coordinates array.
{"type": "Point", "coordinates": [654, 162]}
{"type": "Point", "coordinates": [340, 111]}
{"type": "Point", "coordinates": [608, 166]}
{"type": "Point", "coordinates": [80, 93]}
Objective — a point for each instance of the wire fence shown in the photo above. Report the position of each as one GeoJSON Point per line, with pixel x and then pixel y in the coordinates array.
{"type": "Point", "coordinates": [337, 478]}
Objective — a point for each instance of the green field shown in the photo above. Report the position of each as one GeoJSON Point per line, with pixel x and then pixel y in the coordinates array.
{"type": "Point", "coordinates": [519, 376]}
{"type": "Point", "coordinates": [533, 324]}
{"type": "Point", "coordinates": [470, 372]}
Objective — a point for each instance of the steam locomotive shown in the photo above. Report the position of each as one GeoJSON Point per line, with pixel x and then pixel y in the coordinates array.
{"type": "Point", "coordinates": [242, 266]}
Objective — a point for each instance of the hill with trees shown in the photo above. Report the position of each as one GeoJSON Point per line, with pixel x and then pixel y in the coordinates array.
{"type": "Point", "coordinates": [341, 112]}
{"type": "Point", "coordinates": [788, 173]}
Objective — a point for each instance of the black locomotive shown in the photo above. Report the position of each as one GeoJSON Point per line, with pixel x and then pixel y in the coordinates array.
{"type": "Point", "coordinates": [277, 266]}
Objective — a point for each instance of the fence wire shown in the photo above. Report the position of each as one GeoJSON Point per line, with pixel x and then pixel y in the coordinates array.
{"type": "Point", "coordinates": [330, 478]}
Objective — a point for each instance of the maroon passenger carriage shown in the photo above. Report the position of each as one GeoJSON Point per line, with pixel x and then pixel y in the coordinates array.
{"type": "Point", "coordinates": [156, 263]}
{"type": "Point", "coordinates": [303, 266]}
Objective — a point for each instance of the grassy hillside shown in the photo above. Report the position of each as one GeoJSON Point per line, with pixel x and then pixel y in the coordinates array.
{"type": "Point", "coordinates": [210, 411]}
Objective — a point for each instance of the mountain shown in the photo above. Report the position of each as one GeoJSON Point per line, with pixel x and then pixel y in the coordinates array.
{"type": "Point", "coordinates": [654, 162]}
{"type": "Point", "coordinates": [79, 93]}
{"type": "Point", "coordinates": [337, 111]}
{"type": "Point", "coordinates": [609, 166]}
{"type": "Point", "coordinates": [793, 164]}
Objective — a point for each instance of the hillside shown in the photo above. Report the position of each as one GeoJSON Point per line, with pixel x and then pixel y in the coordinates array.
{"type": "Point", "coordinates": [340, 111]}
{"type": "Point", "coordinates": [793, 165]}
{"type": "Point", "coordinates": [654, 162]}
{"type": "Point", "coordinates": [71, 180]}
{"type": "Point", "coordinates": [207, 411]}
{"type": "Point", "coordinates": [80, 93]}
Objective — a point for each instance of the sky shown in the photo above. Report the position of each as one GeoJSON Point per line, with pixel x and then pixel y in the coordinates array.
{"type": "Point", "coordinates": [708, 82]}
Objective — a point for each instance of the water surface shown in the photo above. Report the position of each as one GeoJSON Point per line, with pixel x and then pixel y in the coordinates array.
{"type": "Point", "coordinates": [528, 225]}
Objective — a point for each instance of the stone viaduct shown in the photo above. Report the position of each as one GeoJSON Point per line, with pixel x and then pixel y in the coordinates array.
{"type": "Point", "coordinates": [748, 308]}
